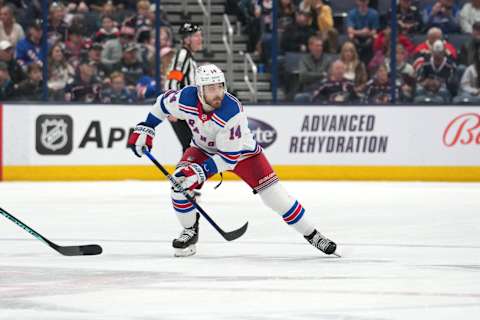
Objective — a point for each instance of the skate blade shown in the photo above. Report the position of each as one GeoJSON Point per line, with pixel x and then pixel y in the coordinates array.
{"type": "Point", "coordinates": [337, 253]}
{"type": "Point", "coordinates": [188, 251]}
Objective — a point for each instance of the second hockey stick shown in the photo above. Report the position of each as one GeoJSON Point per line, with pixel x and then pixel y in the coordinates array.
{"type": "Point", "coordinates": [86, 250]}
{"type": "Point", "coordinates": [229, 236]}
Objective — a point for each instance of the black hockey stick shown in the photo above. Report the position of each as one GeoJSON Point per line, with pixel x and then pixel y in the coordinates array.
{"type": "Point", "coordinates": [229, 236]}
{"type": "Point", "coordinates": [87, 250]}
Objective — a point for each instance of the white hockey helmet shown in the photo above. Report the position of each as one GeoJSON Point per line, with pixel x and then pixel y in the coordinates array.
{"type": "Point", "coordinates": [209, 74]}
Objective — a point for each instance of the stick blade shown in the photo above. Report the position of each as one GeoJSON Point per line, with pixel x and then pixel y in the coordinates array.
{"type": "Point", "coordinates": [86, 250]}
{"type": "Point", "coordinates": [235, 234]}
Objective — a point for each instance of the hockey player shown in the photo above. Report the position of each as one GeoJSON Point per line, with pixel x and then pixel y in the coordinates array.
{"type": "Point", "coordinates": [182, 73]}
{"type": "Point", "coordinates": [221, 142]}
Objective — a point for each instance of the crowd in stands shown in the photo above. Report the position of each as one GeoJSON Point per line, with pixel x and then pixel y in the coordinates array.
{"type": "Point", "coordinates": [103, 51]}
{"type": "Point", "coordinates": [339, 51]}
{"type": "Point", "coordinates": [99, 51]}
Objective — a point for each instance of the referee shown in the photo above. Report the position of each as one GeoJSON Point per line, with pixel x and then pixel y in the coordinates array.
{"type": "Point", "coordinates": [181, 73]}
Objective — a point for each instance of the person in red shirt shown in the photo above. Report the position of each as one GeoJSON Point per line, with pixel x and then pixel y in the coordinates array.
{"type": "Point", "coordinates": [423, 51]}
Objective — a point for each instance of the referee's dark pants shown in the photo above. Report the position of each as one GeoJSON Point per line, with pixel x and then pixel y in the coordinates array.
{"type": "Point", "coordinates": [183, 132]}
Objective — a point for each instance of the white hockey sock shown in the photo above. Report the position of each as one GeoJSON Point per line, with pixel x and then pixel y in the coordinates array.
{"type": "Point", "coordinates": [292, 212]}
{"type": "Point", "coordinates": [184, 210]}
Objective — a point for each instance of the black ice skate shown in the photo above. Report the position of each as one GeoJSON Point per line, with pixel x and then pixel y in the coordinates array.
{"type": "Point", "coordinates": [184, 245]}
{"type": "Point", "coordinates": [322, 243]}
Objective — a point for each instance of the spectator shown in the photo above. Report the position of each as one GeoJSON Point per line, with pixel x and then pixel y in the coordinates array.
{"type": "Point", "coordinates": [286, 14]}
{"type": "Point", "coordinates": [166, 53]}
{"type": "Point", "coordinates": [6, 84]}
{"type": "Point", "coordinates": [436, 78]}
{"type": "Point", "coordinates": [57, 27]}
{"type": "Point", "coordinates": [112, 50]}
{"type": "Point", "coordinates": [423, 51]}
{"type": "Point", "coordinates": [263, 13]}
{"type": "Point", "coordinates": [382, 41]}
{"type": "Point", "coordinates": [363, 23]}
{"type": "Point", "coordinates": [245, 12]}
{"type": "Point", "coordinates": [141, 22]}
{"type": "Point", "coordinates": [336, 89]}
{"type": "Point", "coordinates": [28, 49]}
{"type": "Point", "coordinates": [442, 14]}
{"type": "Point", "coordinates": [6, 56]}
{"type": "Point", "coordinates": [109, 10]}
{"type": "Point", "coordinates": [75, 46]}
{"type": "Point", "coordinates": [355, 70]}
{"type": "Point", "coordinates": [107, 31]}
{"type": "Point", "coordinates": [85, 87]}
{"type": "Point", "coordinates": [129, 65]}
{"type": "Point", "coordinates": [470, 84]}
{"type": "Point", "coordinates": [323, 22]}
{"type": "Point", "coordinates": [60, 73]}
{"type": "Point", "coordinates": [405, 79]}
{"type": "Point", "coordinates": [469, 14]}
{"type": "Point", "coordinates": [31, 88]}
{"type": "Point", "coordinates": [78, 7]}
{"type": "Point", "coordinates": [378, 89]}
{"type": "Point", "coordinates": [409, 17]}
{"type": "Point", "coordinates": [469, 49]}
{"type": "Point", "coordinates": [117, 92]}
{"type": "Point", "coordinates": [94, 58]}
{"type": "Point", "coordinates": [296, 35]}
{"type": "Point", "coordinates": [9, 29]}
{"type": "Point", "coordinates": [314, 66]}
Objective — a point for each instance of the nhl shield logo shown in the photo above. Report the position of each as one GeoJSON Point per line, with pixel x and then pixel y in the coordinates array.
{"type": "Point", "coordinates": [54, 134]}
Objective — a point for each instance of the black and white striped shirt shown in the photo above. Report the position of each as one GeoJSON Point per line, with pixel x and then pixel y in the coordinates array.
{"type": "Point", "coordinates": [182, 70]}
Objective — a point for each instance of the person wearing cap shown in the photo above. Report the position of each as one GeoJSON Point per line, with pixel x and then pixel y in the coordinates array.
{"type": "Point", "coordinates": [436, 79]}
{"type": "Point", "coordinates": [75, 45]}
{"type": "Point", "coordinates": [130, 65]}
{"type": "Point", "coordinates": [423, 51]}
{"type": "Point", "coordinates": [94, 58]}
{"type": "Point", "coordinates": [113, 49]}
{"type": "Point", "coordinates": [182, 73]}
{"type": "Point", "coordinates": [6, 84]}
{"type": "Point", "coordinates": [7, 56]}
{"type": "Point", "coordinates": [10, 30]}
{"type": "Point", "coordinates": [29, 48]}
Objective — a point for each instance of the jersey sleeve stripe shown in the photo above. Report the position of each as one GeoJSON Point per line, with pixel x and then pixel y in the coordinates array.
{"type": "Point", "coordinates": [218, 121]}
{"type": "Point", "coordinates": [162, 106]}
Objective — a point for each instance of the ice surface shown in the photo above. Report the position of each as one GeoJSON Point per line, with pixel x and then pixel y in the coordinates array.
{"type": "Point", "coordinates": [412, 251]}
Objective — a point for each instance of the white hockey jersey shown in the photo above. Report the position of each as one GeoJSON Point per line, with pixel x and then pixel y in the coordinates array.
{"type": "Point", "coordinates": [222, 134]}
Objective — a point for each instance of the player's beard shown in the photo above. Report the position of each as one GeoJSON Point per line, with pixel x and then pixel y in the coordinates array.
{"type": "Point", "coordinates": [215, 102]}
